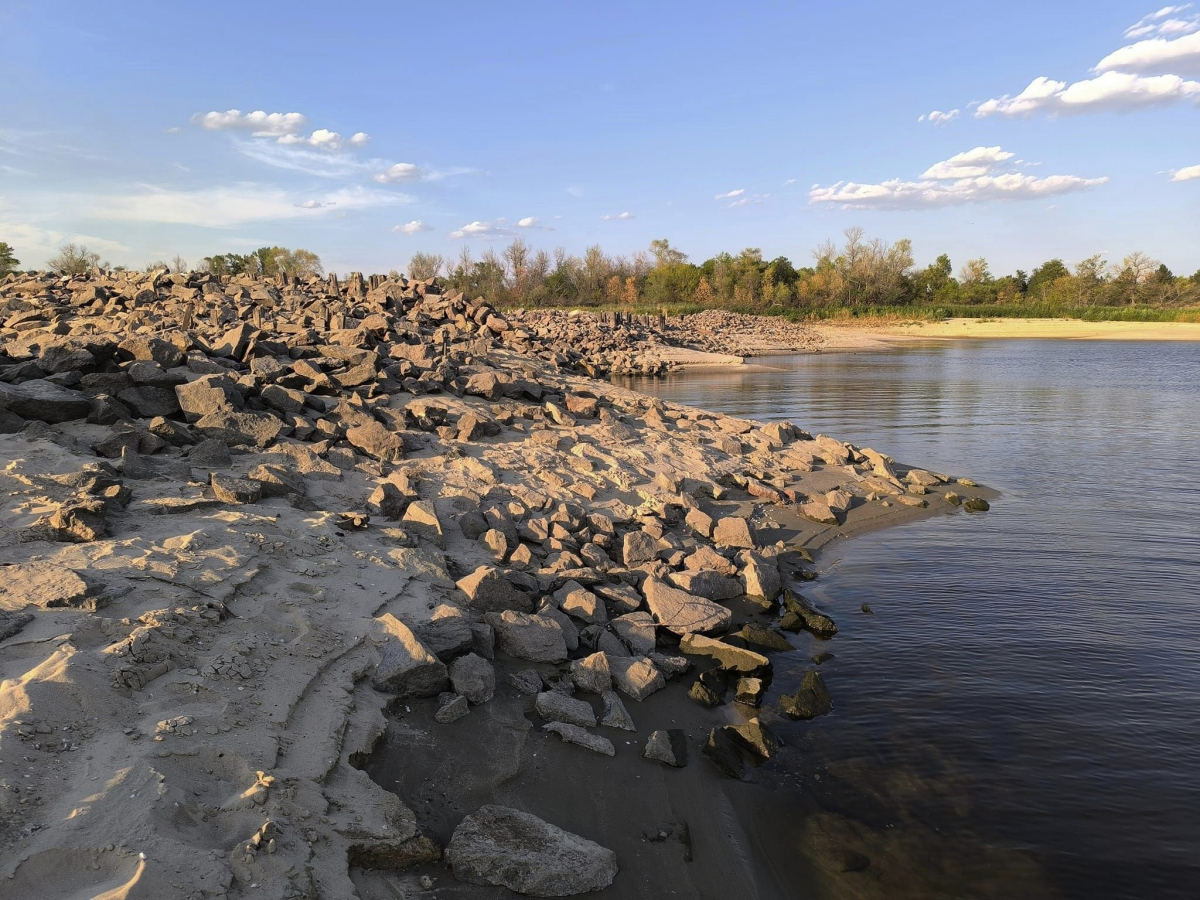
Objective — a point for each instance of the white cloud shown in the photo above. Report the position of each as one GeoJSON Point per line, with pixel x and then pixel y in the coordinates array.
{"type": "Point", "coordinates": [970, 164]}
{"type": "Point", "coordinates": [619, 217]}
{"type": "Point", "coordinates": [33, 244]}
{"type": "Point", "coordinates": [215, 207]}
{"type": "Point", "coordinates": [1188, 173]}
{"type": "Point", "coordinates": [940, 187]}
{"type": "Point", "coordinates": [1111, 91]}
{"type": "Point", "coordinates": [729, 195]}
{"type": "Point", "coordinates": [260, 123]}
{"type": "Point", "coordinates": [359, 138]}
{"type": "Point", "coordinates": [398, 172]}
{"type": "Point", "coordinates": [789, 181]}
{"type": "Point", "coordinates": [937, 117]}
{"type": "Point", "coordinates": [483, 230]}
{"type": "Point", "coordinates": [414, 227]}
{"type": "Point", "coordinates": [528, 222]}
{"type": "Point", "coordinates": [174, 129]}
{"type": "Point", "coordinates": [1158, 25]}
{"type": "Point", "coordinates": [749, 199]}
{"type": "Point", "coordinates": [1160, 54]}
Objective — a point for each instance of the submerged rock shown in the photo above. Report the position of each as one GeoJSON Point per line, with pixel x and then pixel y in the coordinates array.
{"type": "Point", "coordinates": [513, 849]}
{"type": "Point", "coordinates": [810, 700]}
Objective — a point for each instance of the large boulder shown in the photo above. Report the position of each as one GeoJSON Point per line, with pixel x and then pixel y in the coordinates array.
{"type": "Point", "coordinates": [535, 638]}
{"type": "Point", "coordinates": [488, 590]}
{"type": "Point", "coordinates": [43, 401]}
{"type": "Point", "coordinates": [473, 677]}
{"type": "Point", "coordinates": [734, 531]}
{"type": "Point", "coordinates": [406, 667]}
{"type": "Point", "coordinates": [681, 612]}
{"type": "Point", "coordinates": [635, 676]}
{"type": "Point", "coordinates": [737, 659]}
{"type": "Point", "coordinates": [810, 700]}
{"type": "Point", "coordinates": [502, 846]}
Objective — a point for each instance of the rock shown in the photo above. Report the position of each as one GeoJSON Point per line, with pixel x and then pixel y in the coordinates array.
{"type": "Point", "coordinates": [208, 395]}
{"type": "Point", "coordinates": [699, 521]}
{"type": "Point", "coordinates": [818, 511]}
{"type": "Point", "coordinates": [241, 429]}
{"type": "Point", "coordinates": [421, 517]}
{"type": "Point", "coordinates": [573, 734]}
{"type": "Point", "coordinates": [276, 481]}
{"type": "Point", "coordinates": [527, 681]}
{"type": "Point", "coordinates": [736, 659]}
{"type": "Point", "coordinates": [807, 616]}
{"type": "Point", "coordinates": [554, 706]}
{"type": "Point", "coordinates": [210, 453]}
{"type": "Point", "coordinates": [535, 638]}
{"type": "Point", "coordinates": [749, 691]}
{"type": "Point", "coordinates": [760, 576]}
{"type": "Point", "coordinates": [810, 700]}
{"type": "Point", "coordinates": [43, 401]}
{"type": "Point", "coordinates": [591, 673]}
{"type": "Point", "coordinates": [501, 846]}
{"type": "Point", "coordinates": [488, 590]}
{"type": "Point", "coordinates": [78, 521]}
{"type": "Point", "coordinates": [704, 694]}
{"type": "Point", "coordinates": [670, 664]}
{"type": "Point", "coordinates": [406, 667]}
{"type": "Point", "coordinates": [976, 504]}
{"type": "Point", "coordinates": [636, 629]}
{"type": "Point", "coordinates": [149, 402]}
{"type": "Point", "coordinates": [680, 612]}
{"type": "Point", "coordinates": [46, 586]}
{"type": "Point", "coordinates": [952, 498]}
{"type": "Point", "coordinates": [756, 737]}
{"type": "Point", "coordinates": [615, 713]}
{"type": "Point", "coordinates": [708, 584]}
{"type": "Point", "coordinates": [668, 746]}
{"type": "Point", "coordinates": [575, 600]}
{"type": "Point", "coordinates": [496, 542]}
{"type": "Point", "coordinates": [724, 751]}
{"type": "Point", "coordinates": [473, 677]}
{"type": "Point", "coordinates": [387, 501]}
{"type": "Point", "coordinates": [11, 623]}
{"type": "Point", "coordinates": [734, 531]}
{"type": "Point", "coordinates": [451, 708]}
{"type": "Point", "coordinates": [235, 490]}
{"type": "Point", "coordinates": [639, 547]}
{"type": "Point", "coordinates": [376, 441]}
{"type": "Point", "coordinates": [766, 638]}
{"type": "Point", "coordinates": [448, 632]}
{"type": "Point", "coordinates": [866, 608]}
{"type": "Point", "coordinates": [635, 676]}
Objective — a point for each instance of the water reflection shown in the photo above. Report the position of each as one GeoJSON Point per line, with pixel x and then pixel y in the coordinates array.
{"type": "Point", "coordinates": [1020, 715]}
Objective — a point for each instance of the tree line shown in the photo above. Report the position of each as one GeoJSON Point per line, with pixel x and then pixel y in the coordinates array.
{"type": "Point", "coordinates": [856, 274]}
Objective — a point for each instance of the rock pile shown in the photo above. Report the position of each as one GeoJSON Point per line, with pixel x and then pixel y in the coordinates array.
{"type": "Point", "coordinates": [260, 512]}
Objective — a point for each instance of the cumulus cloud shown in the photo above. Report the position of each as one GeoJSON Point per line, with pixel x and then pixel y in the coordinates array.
{"type": "Point", "coordinates": [729, 195]}
{"type": "Point", "coordinates": [398, 172]}
{"type": "Point", "coordinates": [1188, 173]}
{"type": "Point", "coordinates": [416, 226]}
{"type": "Point", "coordinates": [359, 138]}
{"type": "Point", "coordinates": [528, 222]}
{"type": "Point", "coordinates": [980, 178]}
{"type": "Point", "coordinates": [969, 164]}
{"type": "Point", "coordinates": [937, 117]}
{"type": "Point", "coordinates": [619, 217]}
{"type": "Point", "coordinates": [483, 230]}
{"type": "Point", "coordinates": [218, 207]}
{"type": "Point", "coordinates": [259, 123]}
{"type": "Point", "coordinates": [34, 244]}
{"type": "Point", "coordinates": [1159, 54]}
{"type": "Point", "coordinates": [1111, 91]}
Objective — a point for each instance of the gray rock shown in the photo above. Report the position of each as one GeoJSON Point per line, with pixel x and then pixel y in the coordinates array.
{"type": "Point", "coordinates": [488, 590]}
{"type": "Point", "coordinates": [527, 681]}
{"type": "Point", "coordinates": [473, 677]}
{"type": "Point", "coordinates": [669, 747]}
{"type": "Point", "coordinates": [639, 547]}
{"type": "Point", "coordinates": [734, 531]}
{"type": "Point", "coordinates": [760, 576]}
{"type": "Point", "coordinates": [447, 633]}
{"type": "Point", "coordinates": [43, 401]}
{"type": "Point", "coordinates": [406, 667]}
{"type": "Point", "coordinates": [555, 706]}
{"type": "Point", "coordinates": [502, 846]}
{"type": "Point", "coordinates": [210, 454]}
{"type": "Point", "coordinates": [635, 676]}
{"type": "Point", "coordinates": [615, 714]}
{"type": "Point", "coordinates": [637, 629]}
{"type": "Point", "coordinates": [591, 673]}
{"type": "Point", "coordinates": [573, 734]}
{"type": "Point", "coordinates": [535, 638]}
{"type": "Point", "coordinates": [451, 708]}
{"type": "Point", "coordinates": [810, 700]}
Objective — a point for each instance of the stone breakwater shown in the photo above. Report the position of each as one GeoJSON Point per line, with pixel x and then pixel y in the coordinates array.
{"type": "Point", "coordinates": [242, 518]}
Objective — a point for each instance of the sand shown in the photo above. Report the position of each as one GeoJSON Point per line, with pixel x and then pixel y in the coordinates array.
{"type": "Point", "coordinates": [882, 336]}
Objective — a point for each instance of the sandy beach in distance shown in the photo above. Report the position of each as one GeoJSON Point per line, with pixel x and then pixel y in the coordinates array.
{"type": "Point", "coordinates": [840, 337]}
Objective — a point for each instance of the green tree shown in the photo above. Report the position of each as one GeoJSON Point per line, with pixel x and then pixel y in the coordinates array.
{"type": "Point", "coordinates": [423, 266]}
{"type": "Point", "coordinates": [8, 260]}
{"type": "Point", "coordinates": [672, 283]}
{"type": "Point", "coordinates": [1044, 276]}
{"type": "Point", "coordinates": [664, 254]}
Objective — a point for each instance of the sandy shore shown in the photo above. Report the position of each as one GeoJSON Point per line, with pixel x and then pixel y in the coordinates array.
{"type": "Point", "coordinates": [242, 520]}
{"type": "Point", "coordinates": [882, 336]}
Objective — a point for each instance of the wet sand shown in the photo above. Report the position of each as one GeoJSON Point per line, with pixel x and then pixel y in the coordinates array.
{"type": "Point", "coordinates": [874, 337]}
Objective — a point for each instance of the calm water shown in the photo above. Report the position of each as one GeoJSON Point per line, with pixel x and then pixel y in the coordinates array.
{"type": "Point", "coordinates": [1023, 710]}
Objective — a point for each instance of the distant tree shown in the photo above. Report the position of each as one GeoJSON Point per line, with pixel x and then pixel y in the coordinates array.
{"type": "Point", "coordinates": [1044, 276]}
{"type": "Point", "coordinates": [703, 294]}
{"type": "Point", "coordinates": [664, 254]}
{"type": "Point", "coordinates": [73, 260]}
{"type": "Point", "coordinates": [8, 261]}
{"type": "Point", "coordinates": [674, 283]}
{"type": "Point", "coordinates": [630, 294]}
{"type": "Point", "coordinates": [301, 263]}
{"type": "Point", "coordinates": [975, 271]}
{"type": "Point", "coordinates": [158, 264]}
{"type": "Point", "coordinates": [179, 264]}
{"type": "Point", "coordinates": [612, 290]}
{"type": "Point", "coordinates": [423, 266]}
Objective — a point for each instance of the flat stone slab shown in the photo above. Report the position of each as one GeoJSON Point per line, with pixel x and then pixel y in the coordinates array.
{"type": "Point", "coordinates": [681, 612]}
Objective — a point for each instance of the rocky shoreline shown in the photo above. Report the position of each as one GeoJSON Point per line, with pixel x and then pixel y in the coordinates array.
{"type": "Point", "coordinates": [243, 519]}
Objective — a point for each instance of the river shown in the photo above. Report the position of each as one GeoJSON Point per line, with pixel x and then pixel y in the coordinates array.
{"type": "Point", "coordinates": [1021, 714]}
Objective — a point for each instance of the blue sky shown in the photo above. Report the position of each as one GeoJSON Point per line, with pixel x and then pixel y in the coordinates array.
{"type": "Point", "coordinates": [718, 126]}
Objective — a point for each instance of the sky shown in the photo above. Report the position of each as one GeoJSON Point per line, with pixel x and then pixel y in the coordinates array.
{"type": "Point", "coordinates": [366, 131]}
